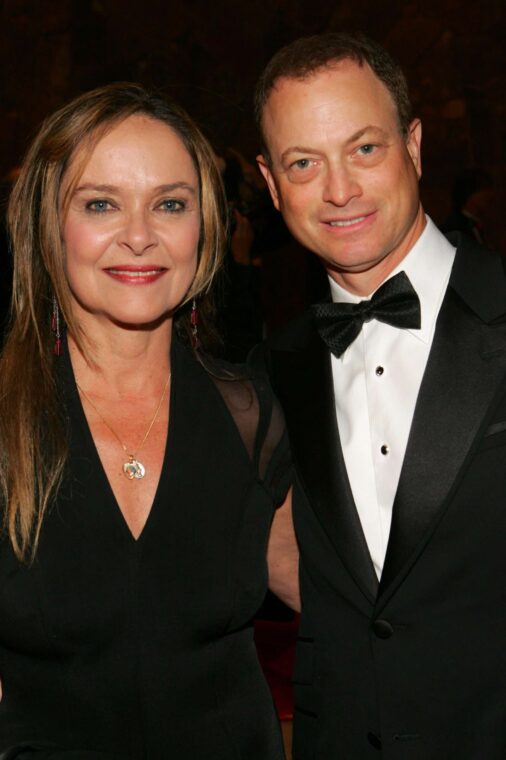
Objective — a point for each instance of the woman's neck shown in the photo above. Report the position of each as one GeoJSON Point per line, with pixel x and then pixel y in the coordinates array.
{"type": "Point", "coordinates": [123, 362]}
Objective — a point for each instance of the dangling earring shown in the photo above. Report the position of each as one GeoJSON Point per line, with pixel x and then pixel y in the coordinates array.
{"type": "Point", "coordinates": [55, 327]}
{"type": "Point", "coordinates": [194, 321]}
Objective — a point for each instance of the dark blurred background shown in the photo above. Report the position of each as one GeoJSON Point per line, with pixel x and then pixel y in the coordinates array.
{"type": "Point", "coordinates": [207, 55]}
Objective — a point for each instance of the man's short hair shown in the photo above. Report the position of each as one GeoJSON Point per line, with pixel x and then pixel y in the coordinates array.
{"type": "Point", "coordinates": [308, 55]}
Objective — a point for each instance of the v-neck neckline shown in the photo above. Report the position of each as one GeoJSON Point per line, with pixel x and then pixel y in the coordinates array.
{"type": "Point", "coordinates": [98, 467]}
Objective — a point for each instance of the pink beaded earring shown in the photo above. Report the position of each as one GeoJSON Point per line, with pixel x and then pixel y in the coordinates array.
{"type": "Point", "coordinates": [194, 321]}
{"type": "Point", "coordinates": [55, 327]}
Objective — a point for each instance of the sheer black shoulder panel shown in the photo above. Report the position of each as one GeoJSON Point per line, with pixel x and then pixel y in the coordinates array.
{"type": "Point", "coordinates": [260, 422]}
{"type": "Point", "coordinates": [242, 402]}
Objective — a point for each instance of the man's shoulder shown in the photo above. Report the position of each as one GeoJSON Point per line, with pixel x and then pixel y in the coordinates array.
{"type": "Point", "coordinates": [292, 335]}
{"type": "Point", "coordinates": [295, 336]}
{"type": "Point", "coordinates": [479, 277]}
{"type": "Point", "coordinates": [464, 242]}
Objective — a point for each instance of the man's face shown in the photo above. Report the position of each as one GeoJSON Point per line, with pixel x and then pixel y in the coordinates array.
{"type": "Point", "coordinates": [342, 174]}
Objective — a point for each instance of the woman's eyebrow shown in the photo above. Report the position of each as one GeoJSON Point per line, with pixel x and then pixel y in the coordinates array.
{"type": "Point", "coordinates": [112, 188]}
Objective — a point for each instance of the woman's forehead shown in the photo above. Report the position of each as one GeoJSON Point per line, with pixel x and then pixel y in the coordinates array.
{"type": "Point", "coordinates": [137, 148]}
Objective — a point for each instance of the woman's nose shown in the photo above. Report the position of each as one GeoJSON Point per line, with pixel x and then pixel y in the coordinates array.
{"type": "Point", "coordinates": [138, 234]}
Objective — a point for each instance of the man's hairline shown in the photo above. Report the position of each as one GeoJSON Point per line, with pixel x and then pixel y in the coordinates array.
{"type": "Point", "coordinates": [328, 65]}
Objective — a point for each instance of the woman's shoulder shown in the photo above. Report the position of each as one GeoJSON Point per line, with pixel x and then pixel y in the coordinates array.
{"type": "Point", "coordinates": [259, 418]}
{"type": "Point", "coordinates": [249, 399]}
{"type": "Point", "coordinates": [244, 387]}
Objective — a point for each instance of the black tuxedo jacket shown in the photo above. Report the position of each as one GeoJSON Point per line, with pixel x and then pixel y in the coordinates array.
{"type": "Point", "coordinates": [412, 668]}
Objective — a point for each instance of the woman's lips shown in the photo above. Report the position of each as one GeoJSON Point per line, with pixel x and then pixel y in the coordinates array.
{"type": "Point", "coordinates": [136, 275]}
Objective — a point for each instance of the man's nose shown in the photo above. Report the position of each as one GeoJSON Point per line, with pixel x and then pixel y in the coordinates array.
{"type": "Point", "coordinates": [138, 234]}
{"type": "Point", "coordinates": [341, 185]}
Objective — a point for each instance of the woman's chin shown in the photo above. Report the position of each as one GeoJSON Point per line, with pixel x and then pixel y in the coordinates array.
{"type": "Point", "coordinates": [142, 323]}
{"type": "Point", "coordinates": [146, 324]}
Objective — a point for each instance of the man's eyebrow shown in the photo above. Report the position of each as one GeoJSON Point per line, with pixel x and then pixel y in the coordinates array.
{"type": "Point", "coordinates": [355, 136]}
{"type": "Point", "coordinates": [113, 189]}
{"type": "Point", "coordinates": [297, 149]}
{"type": "Point", "coordinates": [361, 132]}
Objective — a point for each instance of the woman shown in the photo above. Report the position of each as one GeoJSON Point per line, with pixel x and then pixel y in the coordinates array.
{"type": "Point", "coordinates": [138, 482]}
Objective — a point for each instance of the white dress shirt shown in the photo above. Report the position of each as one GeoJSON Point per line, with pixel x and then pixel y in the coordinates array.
{"type": "Point", "coordinates": [376, 384]}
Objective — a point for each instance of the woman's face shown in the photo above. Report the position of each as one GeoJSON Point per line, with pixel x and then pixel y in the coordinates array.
{"type": "Point", "coordinates": [132, 227]}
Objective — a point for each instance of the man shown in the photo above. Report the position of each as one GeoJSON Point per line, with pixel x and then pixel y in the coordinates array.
{"type": "Point", "coordinates": [396, 411]}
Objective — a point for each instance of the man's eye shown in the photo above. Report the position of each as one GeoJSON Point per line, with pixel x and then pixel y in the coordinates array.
{"type": "Point", "coordinates": [98, 206]}
{"type": "Point", "coordinates": [367, 149]}
{"type": "Point", "coordinates": [303, 169]}
{"type": "Point", "coordinates": [302, 163]}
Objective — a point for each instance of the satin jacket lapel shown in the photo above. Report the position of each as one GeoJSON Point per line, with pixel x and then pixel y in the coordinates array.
{"type": "Point", "coordinates": [302, 380]}
{"type": "Point", "coordinates": [465, 372]}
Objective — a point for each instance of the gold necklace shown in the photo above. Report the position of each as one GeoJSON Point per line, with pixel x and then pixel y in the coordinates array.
{"type": "Point", "coordinates": [133, 469]}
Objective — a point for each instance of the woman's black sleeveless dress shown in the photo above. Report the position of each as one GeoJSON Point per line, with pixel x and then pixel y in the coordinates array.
{"type": "Point", "coordinates": [143, 649]}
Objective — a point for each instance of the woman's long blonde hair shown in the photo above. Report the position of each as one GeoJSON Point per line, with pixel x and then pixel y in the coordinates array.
{"type": "Point", "coordinates": [33, 446]}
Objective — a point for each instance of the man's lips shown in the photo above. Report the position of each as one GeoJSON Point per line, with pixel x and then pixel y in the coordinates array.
{"type": "Point", "coordinates": [348, 222]}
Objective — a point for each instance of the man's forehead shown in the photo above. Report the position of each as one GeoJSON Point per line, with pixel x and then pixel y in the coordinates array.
{"type": "Point", "coordinates": [345, 82]}
{"type": "Point", "coordinates": [342, 65]}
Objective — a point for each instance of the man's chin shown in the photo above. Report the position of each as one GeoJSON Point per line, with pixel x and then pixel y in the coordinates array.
{"type": "Point", "coordinates": [347, 267]}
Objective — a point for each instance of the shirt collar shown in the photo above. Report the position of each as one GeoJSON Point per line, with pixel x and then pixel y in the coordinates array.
{"type": "Point", "coordinates": [428, 265]}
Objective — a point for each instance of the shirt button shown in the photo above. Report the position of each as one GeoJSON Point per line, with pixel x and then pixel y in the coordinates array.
{"type": "Point", "coordinates": [383, 629]}
{"type": "Point", "coordinates": [385, 449]}
{"type": "Point", "coordinates": [379, 371]}
{"type": "Point", "coordinates": [374, 740]}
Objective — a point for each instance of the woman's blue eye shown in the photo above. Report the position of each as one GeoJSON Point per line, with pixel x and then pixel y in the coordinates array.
{"type": "Point", "coordinates": [99, 206]}
{"type": "Point", "coordinates": [172, 205]}
{"type": "Point", "coordinates": [367, 149]}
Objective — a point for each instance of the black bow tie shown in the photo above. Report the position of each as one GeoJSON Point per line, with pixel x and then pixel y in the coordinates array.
{"type": "Point", "coordinates": [395, 303]}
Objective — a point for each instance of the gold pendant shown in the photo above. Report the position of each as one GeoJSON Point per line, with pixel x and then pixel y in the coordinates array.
{"type": "Point", "coordinates": [133, 469]}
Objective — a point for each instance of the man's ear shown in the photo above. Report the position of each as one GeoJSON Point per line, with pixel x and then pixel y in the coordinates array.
{"type": "Point", "coordinates": [414, 144]}
{"type": "Point", "coordinates": [269, 178]}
